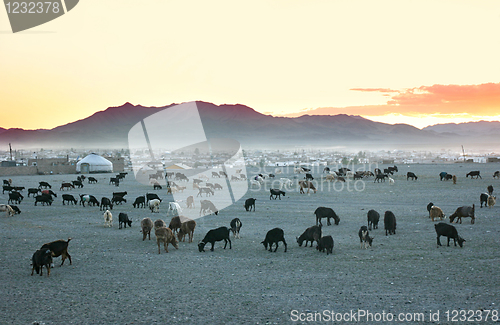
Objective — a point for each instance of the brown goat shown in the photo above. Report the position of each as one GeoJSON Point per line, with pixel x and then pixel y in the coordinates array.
{"type": "Point", "coordinates": [165, 236]}
{"type": "Point", "coordinates": [160, 223]}
{"type": "Point", "coordinates": [464, 212]}
{"type": "Point", "coordinates": [146, 226]}
{"type": "Point", "coordinates": [175, 224]}
{"type": "Point", "coordinates": [187, 228]}
{"type": "Point", "coordinates": [436, 212]}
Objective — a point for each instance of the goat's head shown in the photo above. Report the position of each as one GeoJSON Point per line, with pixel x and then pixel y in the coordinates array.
{"type": "Point", "coordinates": [201, 246]}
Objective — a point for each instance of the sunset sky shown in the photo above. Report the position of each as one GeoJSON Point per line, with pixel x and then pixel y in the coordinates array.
{"type": "Point", "coordinates": [415, 62]}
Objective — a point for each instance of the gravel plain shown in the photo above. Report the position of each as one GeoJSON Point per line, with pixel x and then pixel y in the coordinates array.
{"type": "Point", "coordinates": [116, 278]}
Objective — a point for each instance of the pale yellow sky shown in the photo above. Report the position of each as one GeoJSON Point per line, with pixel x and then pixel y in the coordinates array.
{"type": "Point", "coordinates": [277, 57]}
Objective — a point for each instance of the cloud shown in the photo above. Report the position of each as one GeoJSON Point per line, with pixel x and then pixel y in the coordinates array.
{"type": "Point", "coordinates": [442, 100]}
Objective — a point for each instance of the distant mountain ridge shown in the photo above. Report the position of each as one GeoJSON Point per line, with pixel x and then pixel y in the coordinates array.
{"type": "Point", "coordinates": [109, 129]}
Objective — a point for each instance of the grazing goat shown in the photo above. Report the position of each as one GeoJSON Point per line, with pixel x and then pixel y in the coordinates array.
{"type": "Point", "coordinates": [165, 236]}
{"type": "Point", "coordinates": [483, 198]}
{"type": "Point", "coordinates": [490, 189]}
{"type": "Point", "coordinates": [187, 228]}
{"type": "Point", "coordinates": [44, 185]}
{"type": "Point", "coordinates": [373, 219]}
{"type": "Point", "coordinates": [78, 184]}
{"type": "Point", "coordinates": [444, 176]}
{"type": "Point", "coordinates": [474, 173]}
{"type": "Point", "coordinates": [436, 212]}
{"type": "Point", "coordinates": [146, 227]}
{"type": "Point", "coordinates": [249, 203]}
{"type": "Point", "coordinates": [118, 200]}
{"type": "Point", "coordinates": [207, 190]}
{"type": "Point", "coordinates": [277, 193]}
{"type": "Point", "coordinates": [464, 212]}
{"type": "Point", "coordinates": [154, 205]}
{"type": "Point", "coordinates": [175, 224]}
{"type": "Point", "coordinates": [306, 184]}
{"type": "Point", "coordinates": [364, 237]}
{"type": "Point", "coordinates": [41, 258]}
{"type": "Point", "coordinates": [391, 181]}
{"type": "Point", "coordinates": [89, 199]}
{"type": "Point", "coordinates": [123, 219]}
{"type": "Point", "coordinates": [325, 243]}
{"type": "Point", "coordinates": [44, 198]}
{"type": "Point", "coordinates": [152, 196]}
{"type": "Point", "coordinates": [66, 185]}
{"type": "Point", "coordinates": [108, 219]}
{"type": "Point", "coordinates": [235, 227]}
{"type": "Point", "coordinates": [496, 174]}
{"type": "Point", "coordinates": [69, 198]}
{"type": "Point", "coordinates": [213, 235]}
{"type": "Point", "coordinates": [311, 234]}
{"type": "Point", "coordinates": [444, 229]}
{"type": "Point", "coordinates": [15, 209]}
{"type": "Point", "coordinates": [389, 223]}
{"type": "Point", "coordinates": [105, 204]}
{"type": "Point", "coordinates": [33, 191]}
{"type": "Point", "coordinates": [208, 206]}
{"type": "Point", "coordinates": [429, 206]}
{"type": "Point", "coordinates": [59, 248]}
{"type": "Point", "coordinates": [323, 212]}
{"type": "Point", "coordinates": [9, 212]}
{"type": "Point", "coordinates": [49, 192]}
{"type": "Point", "coordinates": [274, 236]}
{"type": "Point", "coordinates": [15, 197]}
{"type": "Point", "coordinates": [411, 175]}
{"type": "Point", "coordinates": [139, 202]}
{"type": "Point", "coordinates": [92, 180]}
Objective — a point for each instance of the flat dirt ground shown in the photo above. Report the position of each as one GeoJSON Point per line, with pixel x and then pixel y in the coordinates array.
{"type": "Point", "coordinates": [116, 278]}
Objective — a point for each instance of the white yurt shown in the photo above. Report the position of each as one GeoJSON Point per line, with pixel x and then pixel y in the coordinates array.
{"type": "Point", "coordinates": [94, 163]}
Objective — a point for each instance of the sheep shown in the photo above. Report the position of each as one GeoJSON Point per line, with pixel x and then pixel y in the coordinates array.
{"type": "Point", "coordinates": [108, 219]}
{"type": "Point", "coordinates": [41, 258]}
{"type": "Point", "coordinates": [58, 248]}
{"type": "Point", "coordinates": [154, 205]}
{"type": "Point", "coordinates": [491, 201]}
{"type": "Point", "coordinates": [436, 212]}
{"type": "Point", "coordinates": [160, 223]}
{"type": "Point", "coordinates": [443, 229]}
{"type": "Point", "coordinates": [364, 237]}
{"type": "Point", "coordinates": [274, 236]}
{"type": "Point", "coordinates": [187, 228]}
{"type": "Point", "coordinates": [373, 219]}
{"type": "Point", "coordinates": [325, 242]}
{"type": "Point", "coordinates": [146, 226]}
{"type": "Point", "coordinates": [390, 223]}
{"type": "Point", "coordinates": [311, 234]}
{"type": "Point", "coordinates": [464, 212]}
{"type": "Point", "coordinates": [9, 212]}
{"type": "Point", "coordinates": [235, 227]}
{"type": "Point", "coordinates": [213, 235]}
{"type": "Point", "coordinates": [165, 236]}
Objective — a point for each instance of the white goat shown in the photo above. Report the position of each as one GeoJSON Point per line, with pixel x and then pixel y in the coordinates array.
{"type": "Point", "coordinates": [154, 205]}
{"type": "Point", "coordinates": [108, 219]}
{"type": "Point", "coordinates": [9, 212]}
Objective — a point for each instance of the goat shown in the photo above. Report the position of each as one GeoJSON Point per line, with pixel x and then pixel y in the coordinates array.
{"type": "Point", "coordinates": [41, 258]}
{"type": "Point", "coordinates": [491, 201]}
{"type": "Point", "coordinates": [373, 219]}
{"type": "Point", "coordinates": [483, 198]}
{"type": "Point", "coordinates": [306, 184]}
{"type": "Point", "coordinates": [175, 224]}
{"type": "Point", "coordinates": [139, 201]}
{"type": "Point", "coordinates": [464, 212]}
{"type": "Point", "coordinates": [175, 208]}
{"type": "Point", "coordinates": [15, 209]}
{"type": "Point", "coordinates": [9, 212]}
{"type": "Point", "coordinates": [108, 219]}
{"type": "Point", "coordinates": [105, 204]}
{"type": "Point", "coordinates": [323, 212]}
{"type": "Point", "coordinates": [15, 197]}
{"type": "Point", "coordinates": [473, 173]}
{"type": "Point", "coordinates": [436, 212]}
{"type": "Point", "coordinates": [429, 206]}
{"type": "Point", "coordinates": [208, 206]}
{"type": "Point", "coordinates": [44, 185]}
{"type": "Point", "coordinates": [92, 180]}
{"type": "Point", "coordinates": [59, 248]}
{"type": "Point", "coordinates": [389, 223]}
{"type": "Point", "coordinates": [165, 236]}
{"type": "Point", "coordinates": [33, 191]}
{"type": "Point", "coordinates": [325, 242]}
{"type": "Point", "coordinates": [207, 190]}
{"type": "Point", "coordinates": [44, 198]}
{"type": "Point", "coordinates": [443, 229]}
{"type": "Point", "coordinates": [154, 205]}
{"type": "Point", "coordinates": [490, 189]}
{"type": "Point", "coordinates": [187, 228]}
{"type": "Point", "coordinates": [213, 235]}
{"type": "Point", "coordinates": [190, 202]}
{"type": "Point", "coordinates": [496, 174]}
{"type": "Point", "coordinates": [146, 226]}
{"type": "Point", "coordinates": [274, 236]}
{"type": "Point", "coordinates": [123, 219]}
{"type": "Point", "coordinates": [277, 193]}
{"type": "Point", "coordinates": [160, 223]}
{"type": "Point", "coordinates": [235, 227]}
{"type": "Point", "coordinates": [364, 237]}
{"type": "Point", "coordinates": [66, 185]}
{"type": "Point", "coordinates": [69, 198]}
{"type": "Point", "coordinates": [311, 234]}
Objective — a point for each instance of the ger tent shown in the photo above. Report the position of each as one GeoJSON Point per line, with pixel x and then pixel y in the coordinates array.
{"type": "Point", "coordinates": [94, 163]}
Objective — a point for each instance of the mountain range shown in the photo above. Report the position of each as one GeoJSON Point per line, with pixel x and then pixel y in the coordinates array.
{"type": "Point", "coordinates": [109, 129]}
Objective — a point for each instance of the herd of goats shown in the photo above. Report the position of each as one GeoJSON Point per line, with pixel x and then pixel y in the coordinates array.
{"type": "Point", "coordinates": [181, 226]}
